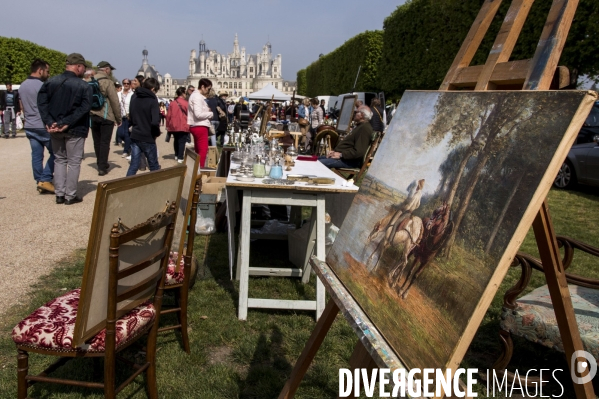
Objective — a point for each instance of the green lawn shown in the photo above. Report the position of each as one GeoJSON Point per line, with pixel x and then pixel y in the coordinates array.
{"type": "Point", "coordinates": [252, 359]}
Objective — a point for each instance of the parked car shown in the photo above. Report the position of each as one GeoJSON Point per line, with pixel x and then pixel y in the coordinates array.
{"type": "Point", "coordinates": [582, 163]}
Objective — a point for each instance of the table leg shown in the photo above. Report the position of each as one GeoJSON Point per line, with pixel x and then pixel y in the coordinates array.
{"type": "Point", "coordinates": [231, 195]}
{"type": "Point", "coordinates": [320, 252]}
{"type": "Point", "coordinates": [244, 244]}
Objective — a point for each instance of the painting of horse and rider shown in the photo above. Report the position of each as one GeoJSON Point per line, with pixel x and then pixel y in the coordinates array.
{"type": "Point", "coordinates": [441, 204]}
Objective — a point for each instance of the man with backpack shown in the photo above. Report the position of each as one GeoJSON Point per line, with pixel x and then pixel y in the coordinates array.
{"type": "Point", "coordinates": [105, 113]}
{"type": "Point", "coordinates": [64, 102]}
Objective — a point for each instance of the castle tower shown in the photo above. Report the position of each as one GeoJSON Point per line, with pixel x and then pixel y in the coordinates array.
{"type": "Point", "coordinates": [236, 46]}
{"type": "Point", "coordinates": [192, 62]}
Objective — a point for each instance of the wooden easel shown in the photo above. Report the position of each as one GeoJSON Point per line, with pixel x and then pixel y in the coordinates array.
{"type": "Point", "coordinates": [540, 73]}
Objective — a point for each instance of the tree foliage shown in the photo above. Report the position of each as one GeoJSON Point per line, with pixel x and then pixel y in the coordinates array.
{"type": "Point", "coordinates": [301, 82]}
{"type": "Point", "coordinates": [16, 56]}
{"type": "Point", "coordinates": [421, 38]}
{"type": "Point", "coordinates": [335, 73]}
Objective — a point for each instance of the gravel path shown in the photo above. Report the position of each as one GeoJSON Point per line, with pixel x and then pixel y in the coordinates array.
{"type": "Point", "coordinates": [36, 232]}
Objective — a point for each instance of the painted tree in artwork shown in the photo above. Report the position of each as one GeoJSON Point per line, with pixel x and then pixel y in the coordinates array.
{"type": "Point", "coordinates": [486, 126]}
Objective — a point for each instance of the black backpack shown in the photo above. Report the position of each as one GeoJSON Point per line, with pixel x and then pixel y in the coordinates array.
{"type": "Point", "coordinates": [98, 100]}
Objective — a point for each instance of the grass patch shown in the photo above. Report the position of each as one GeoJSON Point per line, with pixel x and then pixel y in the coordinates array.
{"type": "Point", "coordinates": [253, 359]}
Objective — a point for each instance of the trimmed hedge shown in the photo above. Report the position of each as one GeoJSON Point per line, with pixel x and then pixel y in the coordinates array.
{"type": "Point", "coordinates": [421, 38]}
{"type": "Point", "coordinates": [431, 32]}
{"type": "Point", "coordinates": [16, 56]}
{"type": "Point", "coordinates": [335, 72]}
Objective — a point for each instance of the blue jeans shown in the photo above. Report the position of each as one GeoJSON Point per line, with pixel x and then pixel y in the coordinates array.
{"type": "Point", "coordinates": [41, 172]}
{"type": "Point", "coordinates": [340, 163]}
{"type": "Point", "coordinates": [149, 150]}
{"type": "Point", "coordinates": [122, 133]}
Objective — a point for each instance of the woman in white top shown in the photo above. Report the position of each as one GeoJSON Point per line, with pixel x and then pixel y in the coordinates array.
{"type": "Point", "coordinates": [198, 118]}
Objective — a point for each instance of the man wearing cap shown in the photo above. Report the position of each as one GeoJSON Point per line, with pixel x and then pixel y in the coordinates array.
{"type": "Point", "coordinates": [104, 119]}
{"type": "Point", "coordinates": [10, 107]}
{"type": "Point", "coordinates": [64, 102]}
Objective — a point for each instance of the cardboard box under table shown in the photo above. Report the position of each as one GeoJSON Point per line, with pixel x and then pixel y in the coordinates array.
{"type": "Point", "coordinates": [299, 194]}
{"type": "Point", "coordinates": [212, 193]}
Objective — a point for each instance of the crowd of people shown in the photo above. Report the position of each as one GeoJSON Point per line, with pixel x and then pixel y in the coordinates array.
{"type": "Point", "coordinates": [60, 111]}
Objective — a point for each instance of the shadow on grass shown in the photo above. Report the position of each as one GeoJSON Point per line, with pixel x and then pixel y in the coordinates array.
{"type": "Point", "coordinates": [263, 253]}
{"type": "Point", "coordinates": [268, 369]}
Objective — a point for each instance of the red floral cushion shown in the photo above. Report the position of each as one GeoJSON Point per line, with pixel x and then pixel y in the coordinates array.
{"type": "Point", "coordinates": [173, 277]}
{"type": "Point", "coordinates": [52, 326]}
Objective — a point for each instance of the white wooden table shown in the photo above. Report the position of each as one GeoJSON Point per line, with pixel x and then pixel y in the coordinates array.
{"type": "Point", "coordinates": [300, 194]}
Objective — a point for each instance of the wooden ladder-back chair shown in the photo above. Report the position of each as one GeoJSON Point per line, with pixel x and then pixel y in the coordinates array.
{"type": "Point", "coordinates": [180, 281]}
{"type": "Point", "coordinates": [131, 311]}
{"type": "Point", "coordinates": [356, 173]}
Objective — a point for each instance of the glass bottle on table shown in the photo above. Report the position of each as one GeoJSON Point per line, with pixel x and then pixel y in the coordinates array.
{"type": "Point", "coordinates": [258, 168]}
{"type": "Point", "coordinates": [276, 171]}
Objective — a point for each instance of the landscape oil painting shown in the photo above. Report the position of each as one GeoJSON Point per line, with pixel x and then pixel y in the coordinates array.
{"type": "Point", "coordinates": [452, 191]}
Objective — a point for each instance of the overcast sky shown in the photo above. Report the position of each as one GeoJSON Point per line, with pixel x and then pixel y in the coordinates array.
{"type": "Point", "coordinates": [118, 31]}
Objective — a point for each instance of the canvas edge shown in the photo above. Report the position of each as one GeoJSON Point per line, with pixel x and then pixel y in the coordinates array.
{"type": "Point", "coordinates": [523, 227]}
{"type": "Point", "coordinates": [81, 333]}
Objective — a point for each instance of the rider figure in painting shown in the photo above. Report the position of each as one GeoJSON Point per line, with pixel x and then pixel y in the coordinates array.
{"type": "Point", "coordinates": [392, 222]}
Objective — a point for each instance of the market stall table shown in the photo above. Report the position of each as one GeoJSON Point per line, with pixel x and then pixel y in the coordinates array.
{"type": "Point", "coordinates": [298, 194]}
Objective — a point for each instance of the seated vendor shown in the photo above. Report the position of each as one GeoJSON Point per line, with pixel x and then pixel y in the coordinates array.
{"type": "Point", "coordinates": [350, 151]}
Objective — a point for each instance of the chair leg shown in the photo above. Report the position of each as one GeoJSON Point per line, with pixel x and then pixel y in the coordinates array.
{"type": "Point", "coordinates": [110, 377]}
{"type": "Point", "coordinates": [22, 371]}
{"type": "Point", "coordinates": [183, 299]}
{"type": "Point", "coordinates": [151, 359]}
{"type": "Point", "coordinates": [507, 346]}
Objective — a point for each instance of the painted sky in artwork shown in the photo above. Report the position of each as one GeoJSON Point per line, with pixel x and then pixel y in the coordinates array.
{"type": "Point", "coordinates": [404, 141]}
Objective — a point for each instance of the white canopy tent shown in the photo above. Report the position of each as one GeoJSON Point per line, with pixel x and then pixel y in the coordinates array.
{"type": "Point", "coordinates": [267, 92]}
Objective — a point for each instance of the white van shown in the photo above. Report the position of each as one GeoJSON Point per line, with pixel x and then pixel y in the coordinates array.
{"type": "Point", "coordinates": [329, 102]}
{"type": "Point", "coordinates": [365, 97]}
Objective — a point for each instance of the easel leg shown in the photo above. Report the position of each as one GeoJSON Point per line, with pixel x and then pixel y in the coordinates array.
{"type": "Point", "coordinates": [320, 252]}
{"type": "Point", "coordinates": [310, 247]}
{"type": "Point", "coordinates": [560, 294]}
{"type": "Point", "coordinates": [305, 359]}
{"type": "Point", "coordinates": [244, 245]}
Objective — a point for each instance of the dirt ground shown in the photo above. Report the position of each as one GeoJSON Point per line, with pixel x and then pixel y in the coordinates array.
{"type": "Point", "coordinates": [37, 233]}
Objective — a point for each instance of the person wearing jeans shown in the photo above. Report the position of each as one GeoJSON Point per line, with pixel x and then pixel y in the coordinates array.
{"type": "Point", "coordinates": [43, 175]}
{"type": "Point", "coordinates": [36, 132]}
{"type": "Point", "coordinates": [144, 116]}
{"type": "Point", "coordinates": [149, 150]}
{"type": "Point", "coordinates": [198, 118]}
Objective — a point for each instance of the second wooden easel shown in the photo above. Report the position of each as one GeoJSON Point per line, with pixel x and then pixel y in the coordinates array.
{"type": "Point", "coordinates": [539, 73]}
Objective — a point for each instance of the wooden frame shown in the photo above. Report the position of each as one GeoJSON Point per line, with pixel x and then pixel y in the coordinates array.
{"type": "Point", "coordinates": [129, 200]}
{"type": "Point", "coordinates": [192, 165]}
{"type": "Point", "coordinates": [347, 108]}
{"type": "Point", "coordinates": [156, 235]}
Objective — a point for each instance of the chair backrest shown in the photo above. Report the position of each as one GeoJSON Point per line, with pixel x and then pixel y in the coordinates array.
{"type": "Point", "coordinates": [369, 154]}
{"type": "Point", "coordinates": [192, 165]}
{"type": "Point", "coordinates": [138, 263]}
